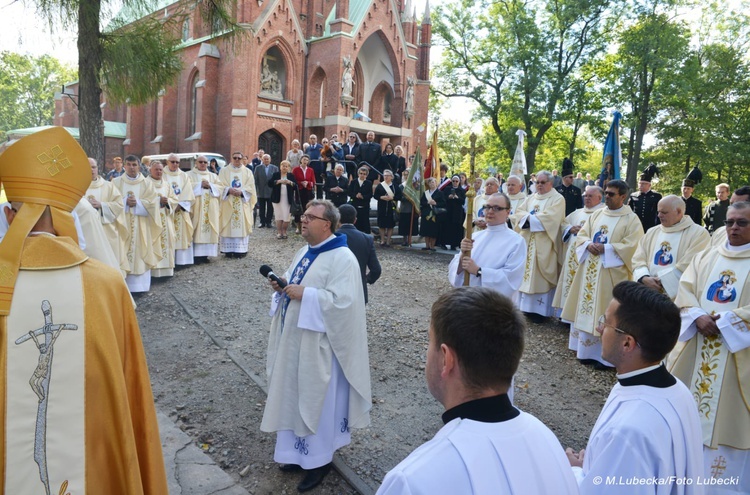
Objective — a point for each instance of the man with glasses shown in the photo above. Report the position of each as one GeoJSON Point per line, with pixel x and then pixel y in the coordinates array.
{"type": "Point", "coordinates": [649, 427]}
{"type": "Point", "coordinates": [604, 247]}
{"type": "Point", "coordinates": [592, 201]}
{"type": "Point", "coordinates": [538, 220]}
{"type": "Point", "coordinates": [143, 219]}
{"type": "Point", "coordinates": [318, 366]}
{"type": "Point", "coordinates": [666, 250]}
{"type": "Point", "coordinates": [720, 235]}
{"type": "Point", "coordinates": [205, 214]}
{"type": "Point", "coordinates": [237, 202]}
{"type": "Point", "coordinates": [712, 356]}
{"type": "Point", "coordinates": [183, 225]}
{"type": "Point", "coordinates": [498, 255]}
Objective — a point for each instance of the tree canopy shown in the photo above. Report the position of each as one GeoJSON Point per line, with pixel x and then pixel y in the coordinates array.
{"type": "Point", "coordinates": [27, 89]}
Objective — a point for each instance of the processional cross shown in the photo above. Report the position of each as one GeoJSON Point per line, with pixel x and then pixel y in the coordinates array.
{"type": "Point", "coordinates": [470, 194]}
{"type": "Point", "coordinates": [40, 380]}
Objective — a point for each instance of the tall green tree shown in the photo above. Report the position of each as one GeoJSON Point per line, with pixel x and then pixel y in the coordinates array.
{"type": "Point", "coordinates": [27, 89]}
{"type": "Point", "coordinates": [133, 58]}
{"type": "Point", "coordinates": [648, 50]}
{"type": "Point", "coordinates": [518, 58]}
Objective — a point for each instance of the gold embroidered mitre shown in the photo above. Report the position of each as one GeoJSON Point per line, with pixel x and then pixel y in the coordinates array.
{"type": "Point", "coordinates": [47, 168]}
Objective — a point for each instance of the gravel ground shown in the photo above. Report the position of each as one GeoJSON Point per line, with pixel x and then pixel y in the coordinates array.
{"type": "Point", "coordinates": [205, 331]}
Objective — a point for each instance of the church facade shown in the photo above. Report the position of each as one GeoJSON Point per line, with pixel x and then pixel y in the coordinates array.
{"type": "Point", "coordinates": [304, 67]}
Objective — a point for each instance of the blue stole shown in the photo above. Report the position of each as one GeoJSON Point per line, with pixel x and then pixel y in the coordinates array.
{"type": "Point", "coordinates": [304, 264]}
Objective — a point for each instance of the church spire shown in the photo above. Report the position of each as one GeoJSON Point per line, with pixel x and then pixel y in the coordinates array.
{"type": "Point", "coordinates": [426, 19]}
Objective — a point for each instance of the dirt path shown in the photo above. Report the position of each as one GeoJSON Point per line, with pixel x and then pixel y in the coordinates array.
{"type": "Point", "coordinates": [206, 373]}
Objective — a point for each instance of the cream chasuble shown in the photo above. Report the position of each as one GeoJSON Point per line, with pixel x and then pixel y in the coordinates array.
{"type": "Point", "coordinates": [717, 369]}
{"type": "Point", "coordinates": [666, 252]}
{"type": "Point", "coordinates": [112, 217]}
{"type": "Point", "coordinates": [570, 260]}
{"type": "Point", "coordinates": [165, 267]}
{"type": "Point", "coordinates": [183, 224]}
{"type": "Point", "coordinates": [143, 222]}
{"type": "Point", "coordinates": [596, 276]}
{"type": "Point", "coordinates": [543, 242]}
{"type": "Point", "coordinates": [77, 405]}
{"type": "Point", "coordinates": [205, 213]}
{"type": "Point", "coordinates": [237, 212]}
{"type": "Point", "coordinates": [96, 243]}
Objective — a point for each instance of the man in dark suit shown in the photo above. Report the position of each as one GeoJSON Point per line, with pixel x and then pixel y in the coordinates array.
{"type": "Point", "coordinates": [370, 152]}
{"type": "Point", "coordinates": [361, 245]}
{"type": "Point", "coordinates": [263, 174]}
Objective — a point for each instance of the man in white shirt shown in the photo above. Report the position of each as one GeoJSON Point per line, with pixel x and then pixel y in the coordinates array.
{"type": "Point", "coordinates": [649, 427]}
{"type": "Point", "coordinates": [498, 255]}
{"type": "Point", "coordinates": [487, 446]}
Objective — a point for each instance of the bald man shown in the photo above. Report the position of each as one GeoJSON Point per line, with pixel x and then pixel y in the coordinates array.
{"type": "Point", "coordinates": [666, 250]}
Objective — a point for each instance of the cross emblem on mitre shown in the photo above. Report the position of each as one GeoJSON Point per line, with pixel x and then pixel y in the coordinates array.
{"type": "Point", "coordinates": [54, 156]}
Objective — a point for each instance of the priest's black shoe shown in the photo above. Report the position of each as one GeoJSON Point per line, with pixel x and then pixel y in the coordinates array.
{"type": "Point", "coordinates": [290, 468]}
{"type": "Point", "coordinates": [313, 478]}
{"type": "Point", "coordinates": [602, 367]}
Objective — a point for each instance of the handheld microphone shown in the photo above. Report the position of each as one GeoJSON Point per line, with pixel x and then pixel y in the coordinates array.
{"type": "Point", "coordinates": [267, 272]}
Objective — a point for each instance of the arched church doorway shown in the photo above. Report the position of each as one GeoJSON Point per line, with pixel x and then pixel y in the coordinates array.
{"type": "Point", "coordinates": [272, 143]}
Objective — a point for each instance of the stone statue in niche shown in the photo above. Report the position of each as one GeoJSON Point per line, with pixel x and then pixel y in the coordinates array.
{"type": "Point", "coordinates": [347, 80]}
{"type": "Point", "coordinates": [409, 105]}
{"type": "Point", "coordinates": [269, 81]}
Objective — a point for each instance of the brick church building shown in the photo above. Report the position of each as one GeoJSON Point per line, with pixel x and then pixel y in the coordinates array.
{"type": "Point", "coordinates": [305, 67]}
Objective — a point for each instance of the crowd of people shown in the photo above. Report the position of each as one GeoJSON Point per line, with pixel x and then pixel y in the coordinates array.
{"type": "Point", "coordinates": [644, 288]}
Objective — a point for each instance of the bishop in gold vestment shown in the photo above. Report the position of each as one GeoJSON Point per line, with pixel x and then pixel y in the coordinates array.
{"type": "Point", "coordinates": [77, 410]}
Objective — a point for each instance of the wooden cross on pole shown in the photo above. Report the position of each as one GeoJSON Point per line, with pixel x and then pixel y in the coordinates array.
{"type": "Point", "coordinates": [471, 193]}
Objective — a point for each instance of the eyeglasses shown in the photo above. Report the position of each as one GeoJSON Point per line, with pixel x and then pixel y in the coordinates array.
{"type": "Point", "coordinates": [602, 322]}
{"type": "Point", "coordinates": [174, 161]}
{"type": "Point", "coordinates": [740, 223]}
{"type": "Point", "coordinates": [306, 217]}
{"type": "Point", "coordinates": [202, 161]}
{"type": "Point", "coordinates": [495, 208]}
{"type": "Point", "coordinates": [540, 183]}
{"type": "Point", "coordinates": [362, 173]}
{"type": "Point", "coordinates": [610, 194]}
{"type": "Point", "coordinates": [236, 158]}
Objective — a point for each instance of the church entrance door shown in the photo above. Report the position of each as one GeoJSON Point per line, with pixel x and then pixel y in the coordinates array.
{"type": "Point", "coordinates": [272, 143]}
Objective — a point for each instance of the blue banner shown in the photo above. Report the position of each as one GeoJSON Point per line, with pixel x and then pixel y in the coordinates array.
{"type": "Point", "coordinates": [612, 159]}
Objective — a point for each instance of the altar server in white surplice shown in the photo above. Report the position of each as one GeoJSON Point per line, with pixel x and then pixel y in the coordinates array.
{"type": "Point", "coordinates": [183, 224]}
{"type": "Point", "coordinates": [666, 250]}
{"type": "Point", "coordinates": [605, 247]}
{"type": "Point", "coordinates": [487, 446]}
{"type": "Point", "coordinates": [167, 208]}
{"type": "Point", "coordinates": [237, 202]}
{"type": "Point", "coordinates": [318, 367]}
{"type": "Point", "coordinates": [713, 355]}
{"type": "Point", "coordinates": [498, 255]}
{"type": "Point", "coordinates": [143, 221]}
{"type": "Point", "coordinates": [107, 200]}
{"type": "Point", "coordinates": [592, 201]}
{"type": "Point", "coordinates": [538, 220]}
{"type": "Point", "coordinates": [649, 427]}
{"type": "Point", "coordinates": [205, 214]}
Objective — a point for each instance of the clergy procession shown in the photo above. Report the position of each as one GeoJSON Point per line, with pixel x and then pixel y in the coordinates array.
{"type": "Point", "coordinates": [641, 288]}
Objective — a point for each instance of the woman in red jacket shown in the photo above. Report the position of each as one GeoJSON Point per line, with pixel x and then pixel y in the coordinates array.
{"type": "Point", "coordinates": [305, 177]}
